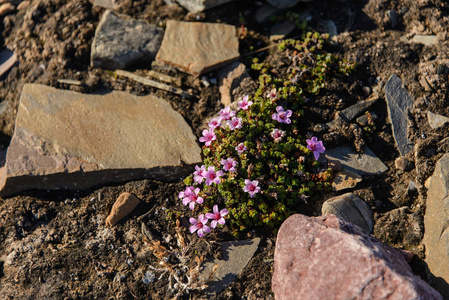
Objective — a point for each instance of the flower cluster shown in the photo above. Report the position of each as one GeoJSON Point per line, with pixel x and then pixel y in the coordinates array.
{"type": "Point", "coordinates": [233, 170]}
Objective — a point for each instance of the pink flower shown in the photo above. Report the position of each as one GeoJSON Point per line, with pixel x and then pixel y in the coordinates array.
{"type": "Point", "coordinates": [192, 199]}
{"type": "Point", "coordinates": [316, 147]}
{"type": "Point", "coordinates": [241, 148]}
{"type": "Point", "coordinates": [251, 187]}
{"type": "Point", "coordinates": [272, 95]}
{"type": "Point", "coordinates": [212, 176]}
{"type": "Point", "coordinates": [189, 191]}
{"type": "Point", "coordinates": [214, 123]}
{"type": "Point", "coordinates": [217, 217]}
{"type": "Point", "coordinates": [208, 136]}
{"type": "Point", "coordinates": [199, 225]}
{"type": "Point", "coordinates": [198, 174]}
{"type": "Point", "coordinates": [277, 135]}
{"type": "Point", "coordinates": [244, 104]}
{"type": "Point", "coordinates": [226, 113]}
{"type": "Point", "coordinates": [282, 116]}
{"type": "Point", "coordinates": [229, 164]}
{"type": "Point", "coordinates": [235, 123]}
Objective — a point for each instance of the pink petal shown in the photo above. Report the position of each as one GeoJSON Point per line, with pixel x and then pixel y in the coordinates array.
{"type": "Point", "coordinates": [210, 216]}
{"type": "Point", "coordinates": [193, 228]}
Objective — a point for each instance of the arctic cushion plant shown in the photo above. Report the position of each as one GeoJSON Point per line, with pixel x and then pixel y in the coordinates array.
{"type": "Point", "coordinates": [258, 162]}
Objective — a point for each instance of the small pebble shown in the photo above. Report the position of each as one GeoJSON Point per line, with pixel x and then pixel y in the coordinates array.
{"type": "Point", "coordinates": [6, 9]}
{"type": "Point", "coordinates": [124, 205]}
{"type": "Point", "coordinates": [366, 90]}
{"type": "Point", "coordinates": [412, 187]}
{"type": "Point", "coordinates": [403, 164]}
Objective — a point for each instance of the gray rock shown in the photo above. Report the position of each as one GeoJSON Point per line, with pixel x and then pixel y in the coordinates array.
{"type": "Point", "coordinates": [331, 28]}
{"type": "Point", "coordinates": [436, 220]}
{"type": "Point", "coordinates": [281, 4]}
{"type": "Point", "coordinates": [200, 5]}
{"type": "Point", "coordinates": [436, 121]}
{"type": "Point", "coordinates": [229, 78]}
{"type": "Point", "coordinates": [392, 17]}
{"type": "Point", "coordinates": [348, 114]}
{"type": "Point", "coordinates": [427, 40]}
{"type": "Point", "coordinates": [345, 180]}
{"type": "Point", "coordinates": [363, 164]}
{"type": "Point", "coordinates": [328, 258]}
{"type": "Point", "coordinates": [65, 139]}
{"type": "Point", "coordinates": [120, 43]}
{"type": "Point", "coordinates": [264, 13]}
{"type": "Point", "coordinates": [399, 101]}
{"type": "Point", "coordinates": [205, 46]}
{"type": "Point", "coordinates": [236, 255]}
{"type": "Point", "coordinates": [350, 208]}
{"type": "Point", "coordinates": [281, 30]}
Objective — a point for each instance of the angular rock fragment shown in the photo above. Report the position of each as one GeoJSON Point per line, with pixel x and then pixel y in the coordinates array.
{"type": "Point", "coordinates": [236, 255]}
{"type": "Point", "coordinates": [108, 4]}
{"type": "Point", "coordinates": [427, 40]}
{"type": "Point", "coordinates": [205, 46]}
{"type": "Point", "coordinates": [350, 208]}
{"type": "Point", "coordinates": [281, 30]}
{"type": "Point", "coordinates": [200, 5]}
{"type": "Point", "coordinates": [65, 139]}
{"type": "Point", "coordinates": [122, 207]}
{"type": "Point", "coordinates": [436, 220]}
{"type": "Point", "coordinates": [120, 43]}
{"type": "Point", "coordinates": [363, 164]}
{"type": "Point", "coordinates": [399, 101]}
{"type": "Point", "coordinates": [7, 60]}
{"type": "Point", "coordinates": [436, 121]}
{"type": "Point", "coordinates": [328, 258]}
{"type": "Point", "coordinates": [230, 78]}
{"type": "Point", "coordinates": [345, 180]}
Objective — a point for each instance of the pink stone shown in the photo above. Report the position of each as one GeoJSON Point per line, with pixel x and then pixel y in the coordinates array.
{"type": "Point", "coordinates": [327, 258]}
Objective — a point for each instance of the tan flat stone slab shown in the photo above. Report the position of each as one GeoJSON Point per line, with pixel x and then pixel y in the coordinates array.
{"type": "Point", "coordinates": [197, 48]}
{"type": "Point", "coordinates": [65, 139]}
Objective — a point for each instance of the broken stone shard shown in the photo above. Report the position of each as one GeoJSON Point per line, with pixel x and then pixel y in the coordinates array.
{"type": "Point", "coordinates": [230, 78]}
{"type": "Point", "coordinates": [436, 121]}
{"type": "Point", "coordinates": [399, 101]}
{"type": "Point", "coordinates": [345, 180]}
{"type": "Point", "coordinates": [350, 208]}
{"type": "Point", "coordinates": [120, 43]}
{"type": "Point", "coordinates": [205, 46]}
{"type": "Point", "coordinates": [436, 220]}
{"type": "Point", "coordinates": [236, 255]}
{"type": "Point", "coordinates": [65, 139]}
{"type": "Point", "coordinates": [363, 164]}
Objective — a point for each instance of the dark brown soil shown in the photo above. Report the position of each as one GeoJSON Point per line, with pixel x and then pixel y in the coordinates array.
{"type": "Point", "coordinates": [54, 243]}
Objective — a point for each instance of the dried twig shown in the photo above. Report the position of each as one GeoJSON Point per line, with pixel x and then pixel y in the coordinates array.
{"type": "Point", "coordinates": [153, 83]}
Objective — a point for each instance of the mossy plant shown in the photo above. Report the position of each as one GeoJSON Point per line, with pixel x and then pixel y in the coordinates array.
{"type": "Point", "coordinates": [257, 164]}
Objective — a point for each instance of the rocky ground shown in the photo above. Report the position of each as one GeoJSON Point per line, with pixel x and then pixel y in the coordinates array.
{"type": "Point", "coordinates": [55, 243]}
